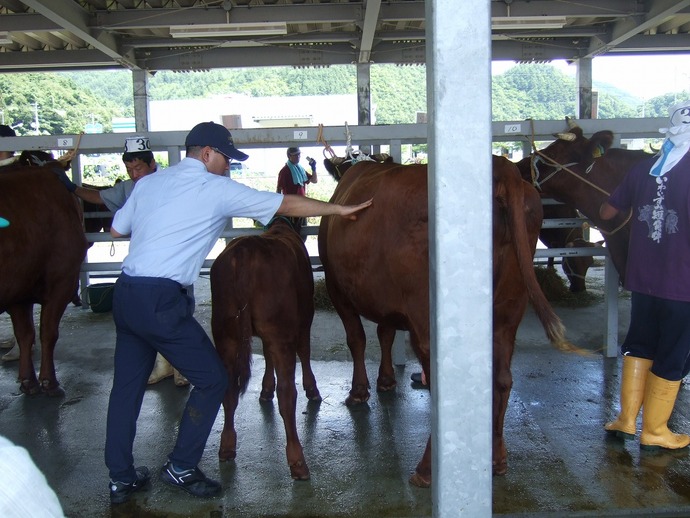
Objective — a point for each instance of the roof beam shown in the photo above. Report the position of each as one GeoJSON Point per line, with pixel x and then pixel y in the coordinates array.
{"type": "Point", "coordinates": [164, 18]}
{"type": "Point", "coordinates": [371, 18]}
{"type": "Point", "coordinates": [580, 9]}
{"type": "Point", "coordinates": [632, 26]}
{"type": "Point", "coordinates": [207, 59]}
{"type": "Point", "coordinates": [658, 43]}
{"type": "Point", "coordinates": [72, 17]}
{"type": "Point", "coordinates": [54, 60]}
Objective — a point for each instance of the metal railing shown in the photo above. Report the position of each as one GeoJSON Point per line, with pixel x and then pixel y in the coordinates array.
{"type": "Point", "coordinates": [393, 137]}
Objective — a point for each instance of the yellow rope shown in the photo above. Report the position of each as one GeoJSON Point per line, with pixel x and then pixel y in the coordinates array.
{"type": "Point", "coordinates": [326, 147]}
{"type": "Point", "coordinates": [67, 157]}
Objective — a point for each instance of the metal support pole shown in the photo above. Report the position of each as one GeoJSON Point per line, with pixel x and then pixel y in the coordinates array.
{"type": "Point", "coordinates": [459, 107]}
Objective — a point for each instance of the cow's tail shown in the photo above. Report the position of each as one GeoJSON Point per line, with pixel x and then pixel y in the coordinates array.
{"type": "Point", "coordinates": [243, 359]}
{"type": "Point", "coordinates": [553, 326]}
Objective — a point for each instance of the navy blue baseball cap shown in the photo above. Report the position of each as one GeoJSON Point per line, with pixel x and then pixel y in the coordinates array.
{"type": "Point", "coordinates": [215, 136]}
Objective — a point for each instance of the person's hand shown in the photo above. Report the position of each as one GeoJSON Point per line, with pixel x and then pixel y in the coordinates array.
{"type": "Point", "coordinates": [312, 163]}
{"type": "Point", "coordinates": [350, 211]}
{"type": "Point", "coordinates": [69, 184]}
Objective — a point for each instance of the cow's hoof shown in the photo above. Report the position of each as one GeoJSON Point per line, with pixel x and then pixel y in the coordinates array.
{"type": "Point", "coordinates": [419, 481]}
{"type": "Point", "coordinates": [358, 394]}
{"type": "Point", "coordinates": [313, 395]}
{"type": "Point", "coordinates": [226, 455]}
{"type": "Point", "coordinates": [266, 396]}
{"type": "Point", "coordinates": [386, 385]}
{"type": "Point", "coordinates": [299, 470]}
{"type": "Point", "coordinates": [500, 469]}
{"type": "Point", "coordinates": [30, 387]}
{"type": "Point", "coordinates": [52, 388]}
{"type": "Point", "coordinates": [356, 400]}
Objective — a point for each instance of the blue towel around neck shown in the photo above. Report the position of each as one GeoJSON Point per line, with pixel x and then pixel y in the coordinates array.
{"type": "Point", "coordinates": [659, 164]}
{"type": "Point", "coordinates": [299, 175]}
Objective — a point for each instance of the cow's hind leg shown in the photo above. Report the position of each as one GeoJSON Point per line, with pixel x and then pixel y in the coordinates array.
{"type": "Point", "coordinates": [268, 382]}
{"type": "Point", "coordinates": [228, 437]}
{"type": "Point", "coordinates": [356, 342]}
{"type": "Point", "coordinates": [51, 313]}
{"type": "Point", "coordinates": [503, 383]}
{"type": "Point", "coordinates": [386, 380]}
{"type": "Point", "coordinates": [308, 378]}
{"type": "Point", "coordinates": [507, 318]}
{"type": "Point", "coordinates": [285, 360]}
{"type": "Point", "coordinates": [23, 324]}
{"type": "Point", "coordinates": [422, 475]}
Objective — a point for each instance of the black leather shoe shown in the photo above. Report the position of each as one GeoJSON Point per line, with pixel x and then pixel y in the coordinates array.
{"type": "Point", "coordinates": [191, 480]}
{"type": "Point", "coordinates": [120, 492]}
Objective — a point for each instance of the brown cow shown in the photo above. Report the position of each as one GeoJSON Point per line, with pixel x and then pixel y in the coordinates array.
{"type": "Point", "coordinates": [378, 268]}
{"type": "Point", "coordinates": [263, 286]}
{"type": "Point", "coordinates": [40, 256]}
{"type": "Point", "coordinates": [96, 224]}
{"type": "Point", "coordinates": [582, 173]}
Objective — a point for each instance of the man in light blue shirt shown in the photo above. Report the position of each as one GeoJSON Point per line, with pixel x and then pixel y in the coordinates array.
{"type": "Point", "coordinates": [175, 217]}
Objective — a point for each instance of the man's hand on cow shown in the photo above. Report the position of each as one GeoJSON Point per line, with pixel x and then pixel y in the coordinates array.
{"type": "Point", "coordinates": [69, 184]}
{"type": "Point", "coordinates": [350, 211]}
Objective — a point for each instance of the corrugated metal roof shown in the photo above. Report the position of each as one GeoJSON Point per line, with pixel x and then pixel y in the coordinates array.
{"type": "Point", "coordinates": [205, 34]}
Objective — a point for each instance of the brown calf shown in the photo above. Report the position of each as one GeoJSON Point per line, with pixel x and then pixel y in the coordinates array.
{"type": "Point", "coordinates": [263, 286]}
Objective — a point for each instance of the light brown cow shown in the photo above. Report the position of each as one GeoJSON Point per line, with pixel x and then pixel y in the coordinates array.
{"type": "Point", "coordinates": [40, 256]}
{"type": "Point", "coordinates": [378, 268]}
{"type": "Point", "coordinates": [263, 286]}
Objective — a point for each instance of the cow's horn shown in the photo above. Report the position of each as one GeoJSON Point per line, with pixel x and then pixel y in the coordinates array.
{"type": "Point", "coordinates": [571, 123]}
{"type": "Point", "coordinates": [566, 136]}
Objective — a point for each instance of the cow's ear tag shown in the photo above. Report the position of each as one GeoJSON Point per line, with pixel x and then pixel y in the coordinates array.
{"type": "Point", "coordinates": [598, 151]}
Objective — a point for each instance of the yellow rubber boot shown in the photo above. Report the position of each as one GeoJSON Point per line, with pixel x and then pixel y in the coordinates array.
{"type": "Point", "coordinates": [659, 400]}
{"type": "Point", "coordinates": [635, 372]}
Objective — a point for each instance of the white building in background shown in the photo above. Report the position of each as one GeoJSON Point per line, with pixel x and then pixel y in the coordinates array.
{"type": "Point", "coordinates": [237, 111]}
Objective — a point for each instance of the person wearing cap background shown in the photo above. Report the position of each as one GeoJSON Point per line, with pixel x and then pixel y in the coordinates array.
{"type": "Point", "coordinates": [175, 219]}
{"type": "Point", "coordinates": [139, 162]}
{"type": "Point", "coordinates": [293, 179]}
{"type": "Point", "coordinates": [656, 350]}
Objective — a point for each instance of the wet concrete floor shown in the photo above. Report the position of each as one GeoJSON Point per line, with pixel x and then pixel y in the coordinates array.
{"type": "Point", "coordinates": [560, 462]}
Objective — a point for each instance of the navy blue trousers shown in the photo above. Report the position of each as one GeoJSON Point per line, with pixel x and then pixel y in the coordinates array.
{"type": "Point", "coordinates": [155, 315]}
{"type": "Point", "coordinates": [660, 331]}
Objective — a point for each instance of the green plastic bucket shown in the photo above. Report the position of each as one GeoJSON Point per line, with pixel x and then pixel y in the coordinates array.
{"type": "Point", "coordinates": [101, 296]}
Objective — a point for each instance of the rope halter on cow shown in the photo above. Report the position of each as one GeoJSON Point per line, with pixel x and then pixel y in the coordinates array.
{"type": "Point", "coordinates": [539, 157]}
{"type": "Point", "coordinates": [326, 146]}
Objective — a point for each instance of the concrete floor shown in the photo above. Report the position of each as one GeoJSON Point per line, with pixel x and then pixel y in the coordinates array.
{"type": "Point", "coordinates": [560, 462]}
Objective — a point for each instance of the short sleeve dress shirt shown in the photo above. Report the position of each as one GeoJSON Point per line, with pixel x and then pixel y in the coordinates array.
{"type": "Point", "coordinates": [176, 215]}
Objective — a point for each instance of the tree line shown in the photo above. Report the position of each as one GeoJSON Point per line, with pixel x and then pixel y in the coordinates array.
{"type": "Point", "coordinates": [64, 103]}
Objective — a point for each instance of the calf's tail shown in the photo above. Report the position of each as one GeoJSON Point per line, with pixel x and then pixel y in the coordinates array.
{"type": "Point", "coordinates": [243, 359]}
